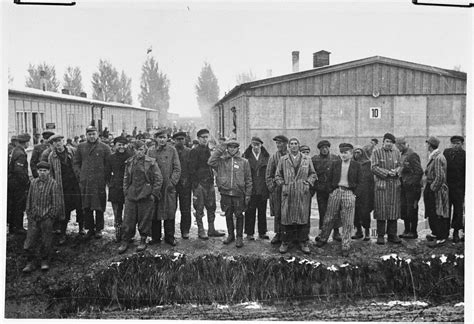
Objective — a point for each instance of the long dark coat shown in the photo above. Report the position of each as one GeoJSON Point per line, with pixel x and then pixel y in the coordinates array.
{"type": "Point", "coordinates": [115, 173]}
{"type": "Point", "coordinates": [273, 188]}
{"type": "Point", "coordinates": [365, 189]}
{"type": "Point", "coordinates": [168, 162]}
{"type": "Point", "coordinates": [89, 163]}
{"type": "Point", "coordinates": [259, 169]}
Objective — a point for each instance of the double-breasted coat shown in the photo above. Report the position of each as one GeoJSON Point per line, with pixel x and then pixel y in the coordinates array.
{"type": "Point", "coordinates": [168, 161]}
{"type": "Point", "coordinates": [295, 180]}
{"type": "Point", "coordinates": [259, 169]}
{"type": "Point", "coordinates": [89, 163]}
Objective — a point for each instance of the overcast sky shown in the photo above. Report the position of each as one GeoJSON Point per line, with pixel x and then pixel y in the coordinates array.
{"type": "Point", "coordinates": [233, 37]}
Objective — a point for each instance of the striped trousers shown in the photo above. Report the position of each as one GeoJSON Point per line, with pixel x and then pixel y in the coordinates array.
{"type": "Point", "coordinates": [341, 208]}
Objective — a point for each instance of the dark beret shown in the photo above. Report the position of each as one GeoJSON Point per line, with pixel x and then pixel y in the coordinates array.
{"type": "Point", "coordinates": [202, 132]}
{"type": "Point", "coordinates": [91, 129]}
{"type": "Point", "coordinates": [304, 148]}
{"type": "Point", "coordinates": [55, 138]}
{"type": "Point", "coordinates": [389, 137]}
{"type": "Point", "coordinates": [232, 142]}
{"type": "Point", "coordinates": [345, 147]}
{"type": "Point", "coordinates": [457, 138]}
{"type": "Point", "coordinates": [120, 139]}
{"type": "Point", "coordinates": [179, 134]}
{"type": "Point", "coordinates": [42, 165]}
{"type": "Point", "coordinates": [323, 143]}
{"type": "Point", "coordinates": [256, 139]}
{"type": "Point", "coordinates": [281, 138]}
{"type": "Point", "coordinates": [47, 134]}
{"type": "Point", "coordinates": [161, 131]}
{"type": "Point", "coordinates": [138, 143]}
{"type": "Point", "coordinates": [22, 138]}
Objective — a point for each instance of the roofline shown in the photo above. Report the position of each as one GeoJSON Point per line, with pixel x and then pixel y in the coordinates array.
{"type": "Point", "coordinates": [338, 67]}
{"type": "Point", "coordinates": [62, 96]}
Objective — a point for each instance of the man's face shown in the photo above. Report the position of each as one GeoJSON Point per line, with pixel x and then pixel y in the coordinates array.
{"type": "Point", "coordinates": [92, 136]}
{"type": "Point", "coordinates": [387, 144]}
{"type": "Point", "coordinates": [346, 155]}
{"type": "Point", "coordinates": [400, 146]}
{"type": "Point", "coordinates": [294, 147]}
{"type": "Point", "coordinates": [357, 154]}
{"type": "Point", "coordinates": [141, 151]}
{"type": "Point", "coordinates": [232, 149]}
{"type": "Point", "coordinates": [281, 146]}
{"type": "Point", "coordinates": [43, 173]}
{"type": "Point", "coordinates": [179, 142]}
{"type": "Point", "coordinates": [256, 147]}
{"type": "Point", "coordinates": [456, 144]}
{"type": "Point", "coordinates": [58, 144]}
{"type": "Point", "coordinates": [120, 147]}
{"type": "Point", "coordinates": [203, 139]}
{"type": "Point", "coordinates": [162, 139]}
{"type": "Point", "coordinates": [324, 150]}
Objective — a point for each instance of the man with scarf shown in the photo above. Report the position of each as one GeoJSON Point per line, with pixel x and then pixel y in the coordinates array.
{"type": "Point", "coordinates": [115, 172]}
{"type": "Point", "coordinates": [295, 175]}
{"type": "Point", "coordinates": [61, 169]}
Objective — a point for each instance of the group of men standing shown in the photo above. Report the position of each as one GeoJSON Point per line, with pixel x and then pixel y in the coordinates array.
{"type": "Point", "coordinates": [145, 185]}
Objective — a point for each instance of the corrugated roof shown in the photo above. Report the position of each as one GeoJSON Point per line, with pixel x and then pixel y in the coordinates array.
{"type": "Point", "coordinates": [338, 67]}
{"type": "Point", "coordinates": [62, 96]}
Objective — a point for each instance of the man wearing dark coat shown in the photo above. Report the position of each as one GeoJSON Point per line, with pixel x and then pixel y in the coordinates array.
{"type": "Point", "coordinates": [61, 169]}
{"type": "Point", "coordinates": [12, 144]}
{"type": "Point", "coordinates": [411, 173]}
{"type": "Point", "coordinates": [456, 177]}
{"type": "Point", "coordinates": [18, 185]}
{"type": "Point", "coordinates": [115, 172]}
{"type": "Point", "coordinates": [90, 165]}
{"type": "Point", "coordinates": [281, 142]}
{"type": "Point", "coordinates": [258, 157]}
{"type": "Point", "coordinates": [183, 188]}
{"type": "Point", "coordinates": [322, 164]}
{"type": "Point", "coordinates": [38, 149]}
{"type": "Point", "coordinates": [165, 208]}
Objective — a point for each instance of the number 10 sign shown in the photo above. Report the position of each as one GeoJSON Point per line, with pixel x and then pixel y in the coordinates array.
{"type": "Point", "coordinates": [375, 112]}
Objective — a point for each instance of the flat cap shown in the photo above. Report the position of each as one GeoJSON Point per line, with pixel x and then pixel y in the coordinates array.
{"type": "Point", "coordinates": [47, 134]}
{"type": "Point", "coordinates": [138, 143]}
{"type": "Point", "coordinates": [161, 131]}
{"type": "Point", "coordinates": [345, 147]}
{"type": "Point", "coordinates": [22, 138]}
{"type": "Point", "coordinates": [281, 138]}
{"type": "Point", "coordinates": [434, 141]}
{"type": "Point", "coordinates": [202, 131]}
{"type": "Point", "coordinates": [179, 134]}
{"type": "Point", "coordinates": [232, 142]}
{"type": "Point", "coordinates": [14, 138]}
{"type": "Point", "coordinates": [304, 148]}
{"type": "Point", "coordinates": [91, 128]}
{"type": "Point", "coordinates": [256, 139]}
{"type": "Point", "coordinates": [42, 165]}
{"type": "Point", "coordinates": [389, 137]}
{"type": "Point", "coordinates": [323, 143]}
{"type": "Point", "coordinates": [457, 138]}
{"type": "Point", "coordinates": [120, 139]}
{"type": "Point", "coordinates": [55, 138]}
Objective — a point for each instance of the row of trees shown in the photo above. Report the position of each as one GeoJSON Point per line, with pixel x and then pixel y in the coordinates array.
{"type": "Point", "coordinates": [110, 85]}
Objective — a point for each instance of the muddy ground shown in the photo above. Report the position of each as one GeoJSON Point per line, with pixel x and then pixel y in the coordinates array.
{"type": "Point", "coordinates": [28, 296]}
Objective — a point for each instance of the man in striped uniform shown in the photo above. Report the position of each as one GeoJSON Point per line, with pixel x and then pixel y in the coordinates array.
{"type": "Point", "coordinates": [343, 180]}
{"type": "Point", "coordinates": [42, 208]}
{"type": "Point", "coordinates": [386, 162]}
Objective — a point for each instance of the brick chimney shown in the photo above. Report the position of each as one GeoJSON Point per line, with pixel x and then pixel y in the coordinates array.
{"type": "Point", "coordinates": [295, 59]}
{"type": "Point", "coordinates": [83, 95]}
{"type": "Point", "coordinates": [65, 91]}
{"type": "Point", "coordinates": [320, 58]}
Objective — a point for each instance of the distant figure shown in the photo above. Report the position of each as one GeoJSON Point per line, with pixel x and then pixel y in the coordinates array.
{"type": "Point", "coordinates": [134, 132]}
{"type": "Point", "coordinates": [105, 133]}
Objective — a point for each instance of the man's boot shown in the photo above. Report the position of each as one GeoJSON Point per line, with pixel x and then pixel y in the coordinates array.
{"type": "Point", "coordinates": [118, 232]}
{"type": "Point", "coordinates": [367, 234]}
{"type": "Point", "coordinates": [142, 245]}
{"type": "Point", "coordinates": [230, 229]}
{"type": "Point", "coordinates": [456, 237]}
{"type": "Point", "coordinates": [81, 229]}
{"type": "Point", "coordinates": [239, 242]}
{"type": "Point", "coordinates": [201, 231]}
{"type": "Point", "coordinates": [336, 236]}
{"type": "Point", "coordinates": [358, 234]}
{"type": "Point", "coordinates": [212, 232]}
{"type": "Point", "coordinates": [276, 239]}
{"type": "Point", "coordinates": [230, 238]}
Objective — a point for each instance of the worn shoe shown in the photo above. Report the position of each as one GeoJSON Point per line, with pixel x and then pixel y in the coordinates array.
{"type": "Point", "coordinates": [283, 247]}
{"type": "Point", "coordinates": [229, 239]}
{"type": "Point", "coordinates": [239, 242]}
{"type": "Point", "coordinates": [336, 236]}
{"type": "Point", "coordinates": [456, 237]}
{"type": "Point", "coordinates": [250, 238]}
{"type": "Point", "coordinates": [380, 240]}
{"type": "Point", "coordinates": [98, 234]}
{"type": "Point", "coordinates": [264, 237]}
{"type": "Point", "coordinates": [185, 236]}
{"type": "Point", "coordinates": [142, 245]}
{"type": "Point", "coordinates": [276, 239]}
{"type": "Point", "coordinates": [358, 235]}
{"type": "Point", "coordinates": [430, 237]}
{"type": "Point", "coordinates": [366, 234]}
{"type": "Point", "coordinates": [171, 241]}
{"type": "Point", "coordinates": [44, 265]}
{"type": "Point", "coordinates": [305, 247]}
{"type": "Point", "coordinates": [215, 233]}
{"type": "Point", "coordinates": [436, 243]}
{"type": "Point", "coordinates": [123, 247]}
{"type": "Point", "coordinates": [394, 239]}
{"type": "Point", "coordinates": [320, 243]}
{"type": "Point", "coordinates": [202, 235]}
{"type": "Point", "coordinates": [30, 267]}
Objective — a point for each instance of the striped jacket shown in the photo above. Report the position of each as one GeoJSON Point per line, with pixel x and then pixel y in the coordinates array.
{"type": "Point", "coordinates": [436, 179]}
{"type": "Point", "coordinates": [44, 199]}
{"type": "Point", "coordinates": [387, 196]}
